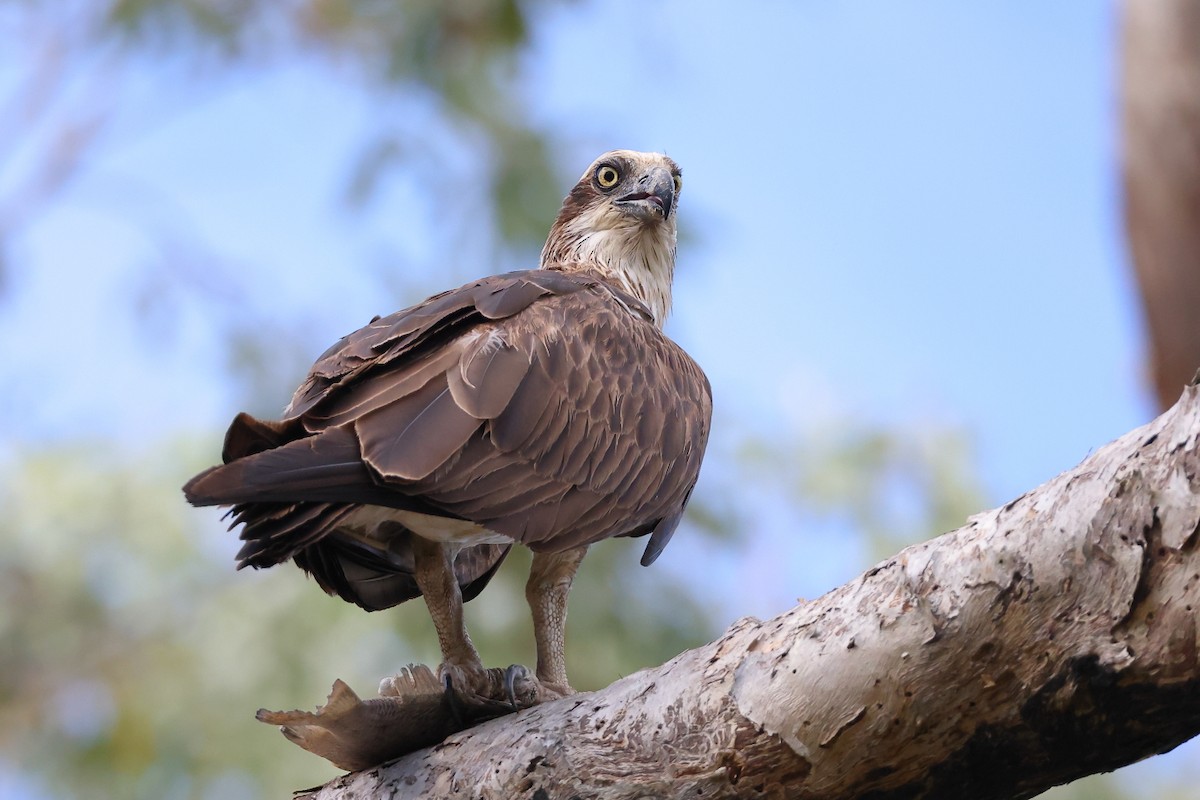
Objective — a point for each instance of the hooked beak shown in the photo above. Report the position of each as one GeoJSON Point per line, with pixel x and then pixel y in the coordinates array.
{"type": "Point", "coordinates": [653, 196]}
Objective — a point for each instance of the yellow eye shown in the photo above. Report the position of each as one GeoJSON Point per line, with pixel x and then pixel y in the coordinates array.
{"type": "Point", "coordinates": [607, 176]}
{"type": "Point", "coordinates": [678, 183]}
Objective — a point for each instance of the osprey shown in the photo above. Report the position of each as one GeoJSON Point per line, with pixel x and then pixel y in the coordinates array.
{"type": "Point", "coordinates": [544, 408]}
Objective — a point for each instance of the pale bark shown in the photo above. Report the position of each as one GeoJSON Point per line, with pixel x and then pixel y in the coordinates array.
{"type": "Point", "coordinates": [1045, 640]}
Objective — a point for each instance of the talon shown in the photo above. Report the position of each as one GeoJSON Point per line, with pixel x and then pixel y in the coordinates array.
{"type": "Point", "coordinates": [510, 684]}
{"type": "Point", "coordinates": [453, 701]}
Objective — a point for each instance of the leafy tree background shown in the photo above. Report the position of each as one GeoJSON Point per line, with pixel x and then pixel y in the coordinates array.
{"type": "Point", "coordinates": [132, 656]}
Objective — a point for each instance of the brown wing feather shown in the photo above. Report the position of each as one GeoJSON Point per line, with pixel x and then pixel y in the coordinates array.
{"type": "Point", "coordinates": [401, 339]}
{"type": "Point", "coordinates": [486, 378]}
{"type": "Point", "coordinates": [373, 391]}
{"type": "Point", "coordinates": [409, 439]}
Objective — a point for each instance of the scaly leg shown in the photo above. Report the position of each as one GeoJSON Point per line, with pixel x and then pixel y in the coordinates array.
{"type": "Point", "coordinates": [462, 670]}
{"type": "Point", "coordinates": [550, 579]}
{"type": "Point", "coordinates": [435, 577]}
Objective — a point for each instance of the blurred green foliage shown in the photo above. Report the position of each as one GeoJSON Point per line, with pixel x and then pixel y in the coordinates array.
{"type": "Point", "coordinates": [893, 487]}
{"type": "Point", "coordinates": [463, 57]}
{"type": "Point", "coordinates": [132, 651]}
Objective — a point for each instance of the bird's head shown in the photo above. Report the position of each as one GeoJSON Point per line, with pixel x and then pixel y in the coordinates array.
{"type": "Point", "coordinates": [619, 220]}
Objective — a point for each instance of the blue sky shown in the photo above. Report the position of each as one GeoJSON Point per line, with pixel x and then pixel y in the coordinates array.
{"type": "Point", "coordinates": [907, 215]}
{"type": "Point", "coordinates": [903, 212]}
{"type": "Point", "coordinates": [913, 215]}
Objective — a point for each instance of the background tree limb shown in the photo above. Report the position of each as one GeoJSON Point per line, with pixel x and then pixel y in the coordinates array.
{"type": "Point", "coordinates": [1160, 131]}
{"type": "Point", "coordinates": [1048, 639]}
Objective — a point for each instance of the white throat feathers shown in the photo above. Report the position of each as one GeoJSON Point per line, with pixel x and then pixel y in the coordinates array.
{"type": "Point", "coordinates": [619, 221]}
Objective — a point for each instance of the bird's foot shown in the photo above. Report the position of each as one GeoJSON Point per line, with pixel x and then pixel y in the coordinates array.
{"type": "Point", "coordinates": [553, 691]}
{"type": "Point", "coordinates": [474, 692]}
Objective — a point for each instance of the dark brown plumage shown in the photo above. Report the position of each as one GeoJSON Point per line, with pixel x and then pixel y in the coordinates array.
{"type": "Point", "coordinates": [543, 407]}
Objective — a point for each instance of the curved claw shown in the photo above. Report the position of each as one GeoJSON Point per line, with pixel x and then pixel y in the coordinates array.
{"type": "Point", "coordinates": [511, 674]}
{"type": "Point", "coordinates": [453, 701]}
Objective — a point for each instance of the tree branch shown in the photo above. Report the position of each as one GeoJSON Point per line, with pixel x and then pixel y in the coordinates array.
{"type": "Point", "coordinates": [1045, 640]}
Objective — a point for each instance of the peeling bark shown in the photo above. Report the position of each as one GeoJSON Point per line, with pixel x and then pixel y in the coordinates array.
{"type": "Point", "coordinates": [1045, 640]}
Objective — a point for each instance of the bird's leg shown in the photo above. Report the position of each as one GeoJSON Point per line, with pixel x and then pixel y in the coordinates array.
{"type": "Point", "coordinates": [471, 687]}
{"type": "Point", "coordinates": [550, 579]}
{"type": "Point", "coordinates": [434, 572]}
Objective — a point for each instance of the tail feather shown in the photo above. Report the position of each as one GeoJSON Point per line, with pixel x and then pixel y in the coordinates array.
{"type": "Point", "coordinates": [248, 435]}
{"type": "Point", "coordinates": [275, 532]}
{"type": "Point", "coordinates": [291, 492]}
{"type": "Point", "coordinates": [325, 467]}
